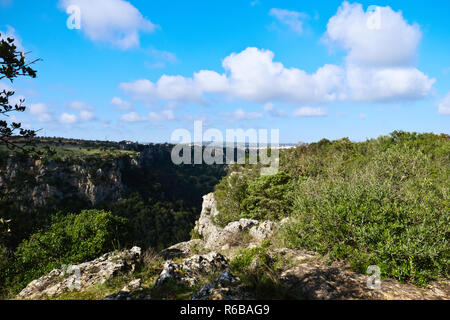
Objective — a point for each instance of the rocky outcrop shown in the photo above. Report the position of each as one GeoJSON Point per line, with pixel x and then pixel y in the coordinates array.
{"type": "Point", "coordinates": [216, 238]}
{"type": "Point", "coordinates": [190, 269]}
{"type": "Point", "coordinates": [82, 276]}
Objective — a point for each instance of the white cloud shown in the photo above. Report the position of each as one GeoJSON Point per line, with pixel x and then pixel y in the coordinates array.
{"type": "Point", "coordinates": [165, 115]}
{"type": "Point", "coordinates": [40, 110]}
{"type": "Point", "coordinates": [80, 105]}
{"type": "Point", "coordinates": [68, 118]}
{"type": "Point", "coordinates": [121, 104]}
{"type": "Point", "coordinates": [387, 84]}
{"type": "Point", "coordinates": [115, 21]}
{"type": "Point", "coordinates": [309, 112]}
{"type": "Point", "coordinates": [393, 44]}
{"type": "Point", "coordinates": [365, 77]}
{"type": "Point", "coordinates": [86, 115]}
{"type": "Point", "coordinates": [271, 109]}
{"type": "Point", "coordinates": [132, 117]}
{"type": "Point", "coordinates": [444, 105]}
{"type": "Point", "coordinates": [11, 33]}
{"type": "Point", "coordinates": [289, 18]}
{"type": "Point", "coordinates": [162, 116]}
{"type": "Point", "coordinates": [251, 75]}
{"type": "Point", "coordinates": [240, 114]}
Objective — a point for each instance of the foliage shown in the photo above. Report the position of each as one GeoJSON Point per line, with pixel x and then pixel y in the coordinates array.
{"type": "Point", "coordinates": [259, 273]}
{"type": "Point", "coordinates": [12, 64]}
{"type": "Point", "coordinates": [70, 239]}
{"type": "Point", "coordinates": [381, 202]}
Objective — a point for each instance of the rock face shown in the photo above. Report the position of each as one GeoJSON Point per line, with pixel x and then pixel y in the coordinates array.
{"type": "Point", "coordinates": [89, 181]}
{"type": "Point", "coordinates": [216, 238]}
{"type": "Point", "coordinates": [191, 268]}
{"type": "Point", "coordinates": [84, 275]}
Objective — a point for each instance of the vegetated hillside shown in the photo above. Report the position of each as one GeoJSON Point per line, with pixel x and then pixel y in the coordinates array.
{"type": "Point", "coordinates": [155, 201]}
{"type": "Point", "coordinates": [381, 202]}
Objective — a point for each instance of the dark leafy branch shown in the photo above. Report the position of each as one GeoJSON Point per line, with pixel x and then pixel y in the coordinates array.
{"type": "Point", "coordinates": [12, 65]}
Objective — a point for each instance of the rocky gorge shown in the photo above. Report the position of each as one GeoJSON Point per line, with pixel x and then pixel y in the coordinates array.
{"type": "Point", "coordinates": [207, 268]}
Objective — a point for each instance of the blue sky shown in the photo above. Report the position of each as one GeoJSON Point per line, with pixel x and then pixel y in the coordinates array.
{"type": "Point", "coordinates": [138, 70]}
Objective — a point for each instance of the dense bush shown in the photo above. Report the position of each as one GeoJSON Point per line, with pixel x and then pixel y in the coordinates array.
{"type": "Point", "coordinates": [382, 202]}
{"type": "Point", "coordinates": [70, 239]}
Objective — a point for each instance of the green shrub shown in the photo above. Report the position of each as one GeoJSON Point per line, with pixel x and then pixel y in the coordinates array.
{"type": "Point", "coordinates": [70, 239]}
{"type": "Point", "coordinates": [259, 273]}
{"type": "Point", "coordinates": [380, 202]}
{"type": "Point", "coordinates": [246, 194]}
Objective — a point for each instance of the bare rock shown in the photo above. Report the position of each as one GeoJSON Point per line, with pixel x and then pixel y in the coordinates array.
{"type": "Point", "coordinates": [182, 249]}
{"type": "Point", "coordinates": [132, 291]}
{"type": "Point", "coordinates": [215, 237]}
{"type": "Point", "coordinates": [263, 230]}
{"type": "Point", "coordinates": [84, 275]}
{"type": "Point", "coordinates": [188, 271]}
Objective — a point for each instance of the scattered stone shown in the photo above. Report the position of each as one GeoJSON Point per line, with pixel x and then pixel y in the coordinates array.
{"type": "Point", "coordinates": [188, 271]}
{"type": "Point", "coordinates": [225, 287]}
{"type": "Point", "coordinates": [132, 291]}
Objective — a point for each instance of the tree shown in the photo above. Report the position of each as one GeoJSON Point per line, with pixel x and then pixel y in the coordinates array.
{"type": "Point", "coordinates": [12, 65]}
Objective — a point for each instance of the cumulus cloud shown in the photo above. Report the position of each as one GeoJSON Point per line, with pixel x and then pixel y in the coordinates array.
{"type": "Point", "coordinates": [290, 18]}
{"type": "Point", "coordinates": [67, 118]}
{"type": "Point", "coordinates": [40, 110]}
{"type": "Point", "coordinates": [115, 21]}
{"type": "Point", "coordinates": [309, 112]}
{"type": "Point", "coordinates": [250, 75]}
{"type": "Point", "coordinates": [379, 67]}
{"type": "Point", "coordinates": [444, 105]}
{"type": "Point", "coordinates": [121, 104]}
{"type": "Point", "coordinates": [393, 42]}
{"type": "Point", "coordinates": [387, 84]}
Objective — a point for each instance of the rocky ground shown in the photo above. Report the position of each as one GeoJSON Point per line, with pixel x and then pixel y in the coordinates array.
{"type": "Point", "coordinates": [205, 269]}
